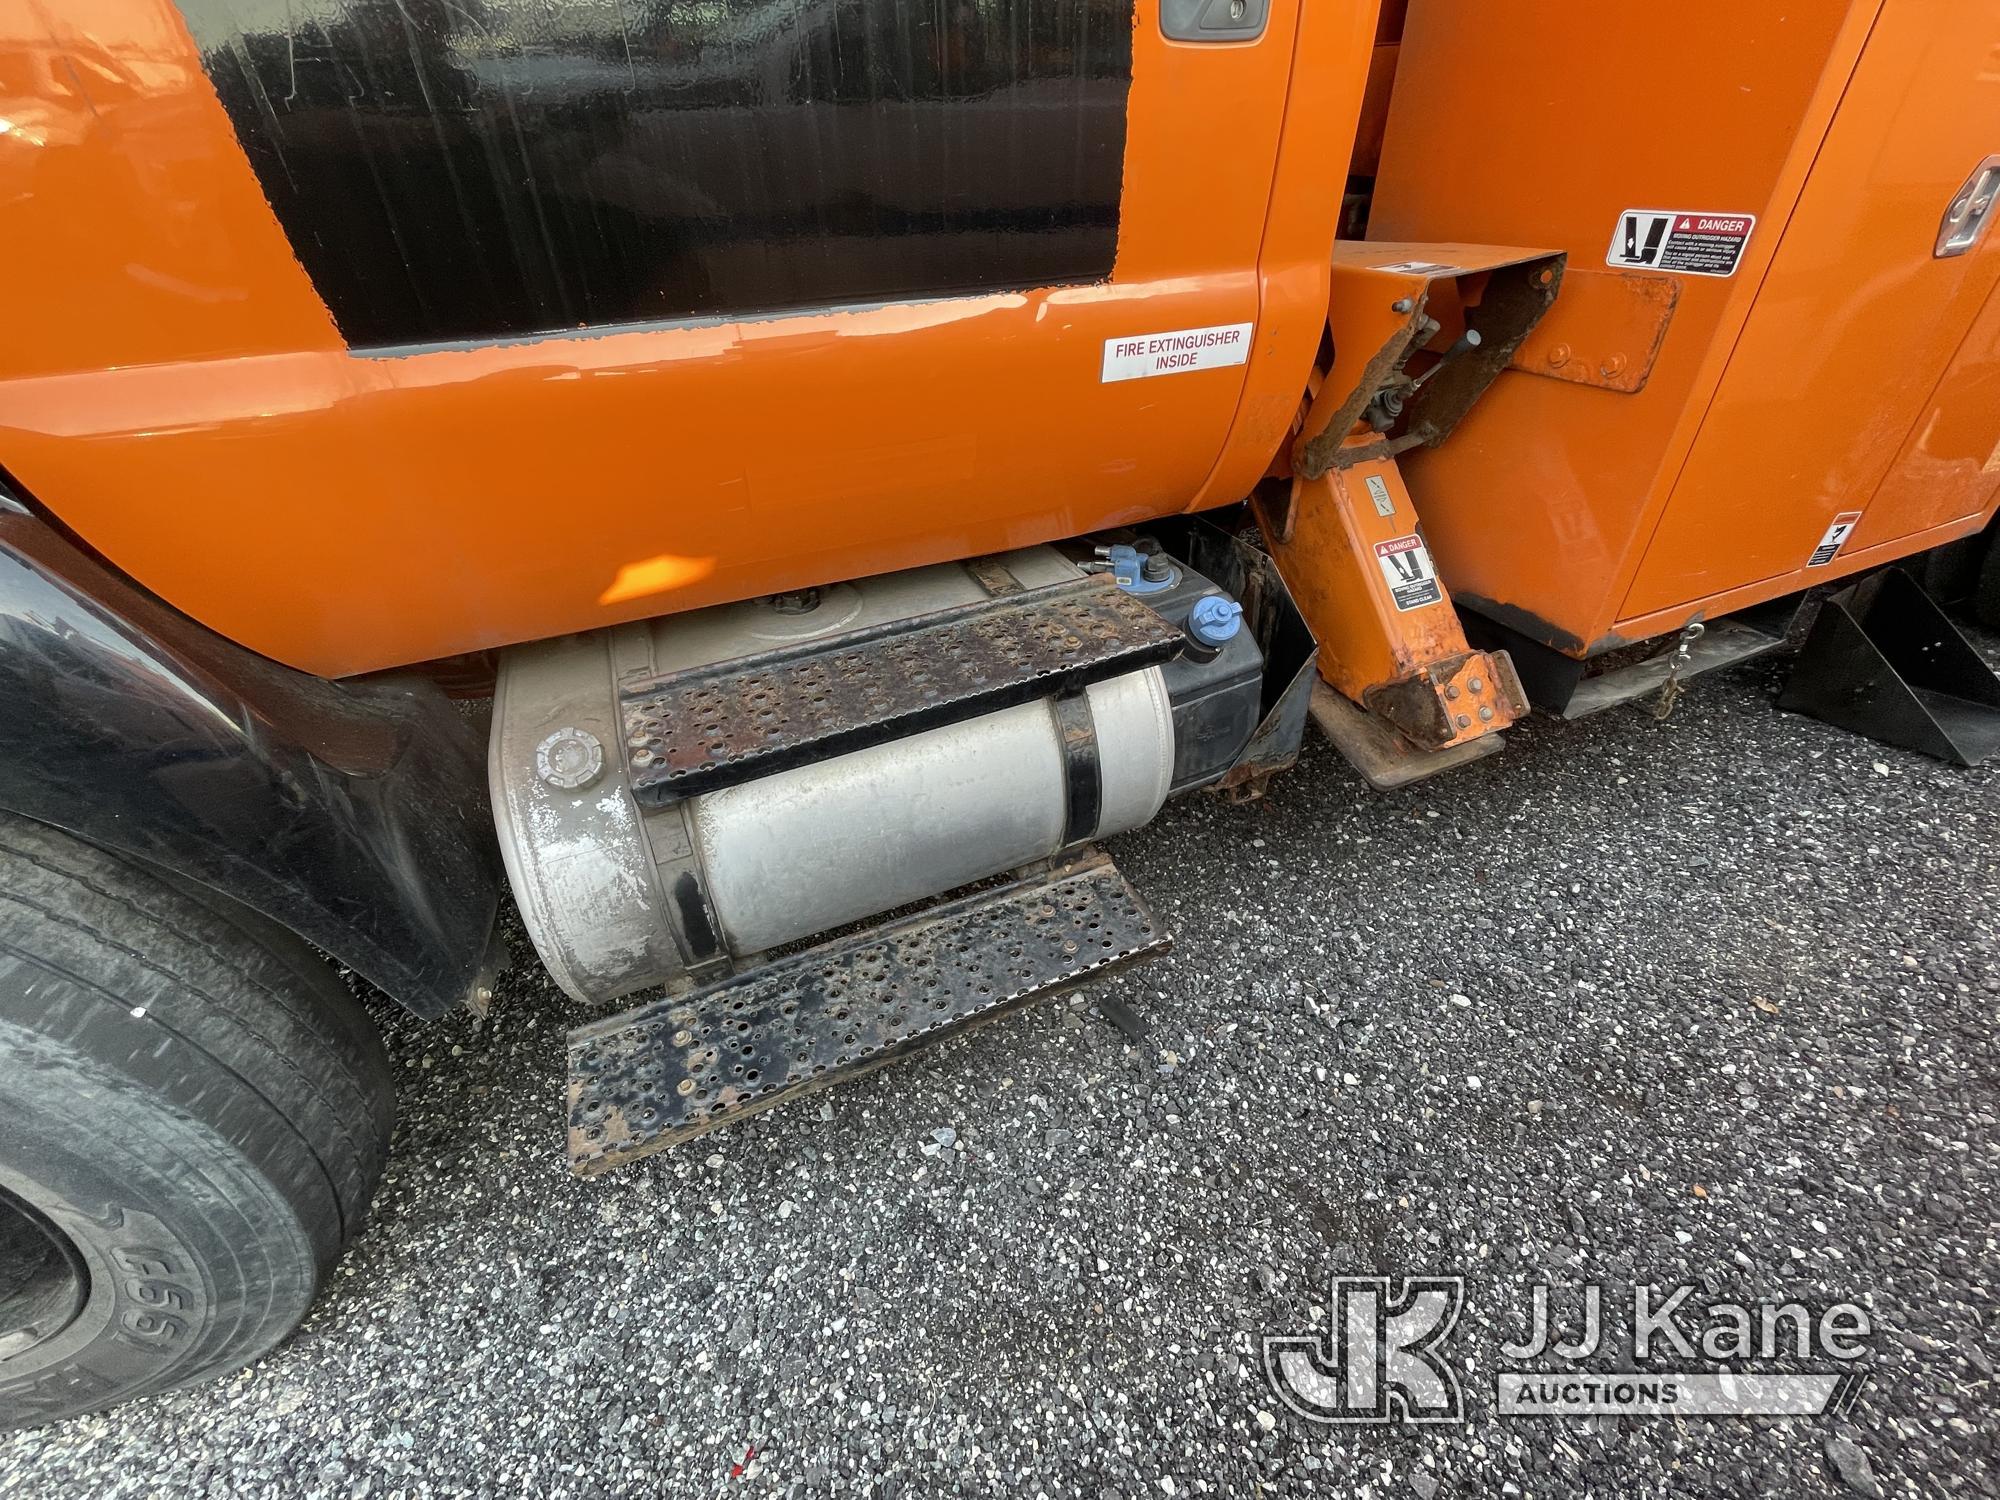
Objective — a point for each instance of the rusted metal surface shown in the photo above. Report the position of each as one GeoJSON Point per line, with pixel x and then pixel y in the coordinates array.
{"type": "Point", "coordinates": [716, 726]}
{"type": "Point", "coordinates": [1605, 330]}
{"type": "Point", "coordinates": [1451, 701]}
{"type": "Point", "coordinates": [680, 1067]}
{"type": "Point", "coordinates": [1382, 757]}
{"type": "Point", "coordinates": [1388, 301]}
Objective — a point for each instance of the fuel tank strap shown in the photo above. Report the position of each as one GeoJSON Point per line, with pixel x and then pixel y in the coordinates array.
{"type": "Point", "coordinates": [1083, 774]}
{"type": "Point", "coordinates": [711, 727]}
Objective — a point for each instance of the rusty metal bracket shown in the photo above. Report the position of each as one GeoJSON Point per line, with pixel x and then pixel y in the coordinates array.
{"type": "Point", "coordinates": [1388, 303]}
{"type": "Point", "coordinates": [1605, 330]}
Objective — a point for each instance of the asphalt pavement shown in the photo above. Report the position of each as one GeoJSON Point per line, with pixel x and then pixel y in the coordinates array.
{"type": "Point", "coordinates": [1708, 1001]}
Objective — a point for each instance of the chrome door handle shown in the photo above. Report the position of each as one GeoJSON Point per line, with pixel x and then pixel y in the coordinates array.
{"type": "Point", "coordinates": [1965, 220]}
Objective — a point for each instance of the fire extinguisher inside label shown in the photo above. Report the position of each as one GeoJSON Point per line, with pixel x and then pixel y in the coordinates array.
{"type": "Point", "coordinates": [1671, 239]}
{"type": "Point", "coordinates": [1411, 575]}
{"type": "Point", "coordinates": [1146, 354]}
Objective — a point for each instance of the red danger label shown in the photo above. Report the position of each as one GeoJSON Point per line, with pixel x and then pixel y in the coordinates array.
{"type": "Point", "coordinates": [1408, 572]}
{"type": "Point", "coordinates": [1707, 224]}
{"type": "Point", "coordinates": [1679, 241]}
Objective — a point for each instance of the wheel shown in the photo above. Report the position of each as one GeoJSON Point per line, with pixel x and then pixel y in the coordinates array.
{"type": "Point", "coordinates": [194, 1114]}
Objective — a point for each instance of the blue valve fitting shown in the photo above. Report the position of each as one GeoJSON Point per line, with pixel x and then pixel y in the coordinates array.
{"type": "Point", "coordinates": [1128, 570]}
{"type": "Point", "coordinates": [1214, 619]}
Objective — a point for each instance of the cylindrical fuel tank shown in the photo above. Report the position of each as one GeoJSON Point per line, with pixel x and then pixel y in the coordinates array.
{"type": "Point", "coordinates": [809, 849]}
{"type": "Point", "coordinates": [617, 898]}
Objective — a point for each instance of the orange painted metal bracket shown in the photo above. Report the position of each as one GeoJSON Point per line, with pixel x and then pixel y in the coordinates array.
{"type": "Point", "coordinates": [1457, 311]}
{"type": "Point", "coordinates": [1389, 638]}
{"type": "Point", "coordinates": [1605, 330]}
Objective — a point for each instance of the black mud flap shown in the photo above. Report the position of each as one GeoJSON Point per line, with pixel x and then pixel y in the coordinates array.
{"type": "Point", "coordinates": [1883, 661]}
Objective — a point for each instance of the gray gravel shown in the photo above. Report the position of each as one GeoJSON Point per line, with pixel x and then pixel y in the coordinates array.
{"type": "Point", "coordinates": [1709, 1000]}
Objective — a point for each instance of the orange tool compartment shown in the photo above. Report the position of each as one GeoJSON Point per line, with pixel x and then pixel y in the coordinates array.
{"type": "Point", "coordinates": [176, 390]}
{"type": "Point", "coordinates": [1789, 382]}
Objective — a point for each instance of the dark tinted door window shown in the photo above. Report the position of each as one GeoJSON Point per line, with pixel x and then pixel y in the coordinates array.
{"type": "Point", "coordinates": [466, 169]}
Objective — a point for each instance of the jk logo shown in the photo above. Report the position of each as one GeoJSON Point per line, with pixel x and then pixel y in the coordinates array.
{"type": "Point", "coordinates": [1378, 1359]}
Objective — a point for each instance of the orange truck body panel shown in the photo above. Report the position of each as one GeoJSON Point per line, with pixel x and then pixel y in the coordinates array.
{"type": "Point", "coordinates": [176, 390]}
{"type": "Point", "coordinates": [1689, 459]}
{"type": "Point", "coordinates": [173, 386]}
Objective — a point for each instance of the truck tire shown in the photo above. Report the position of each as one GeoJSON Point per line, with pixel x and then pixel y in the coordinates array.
{"type": "Point", "coordinates": [194, 1114]}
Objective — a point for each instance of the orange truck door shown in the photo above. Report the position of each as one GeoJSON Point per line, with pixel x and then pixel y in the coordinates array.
{"type": "Point", "coordinates": [369, 332]}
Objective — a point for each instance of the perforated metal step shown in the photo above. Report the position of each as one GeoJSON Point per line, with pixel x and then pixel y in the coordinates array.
{"type": "Point", "coordinates": [715, 726]}
{"type": "Point", "coordinates": [678, 1068]}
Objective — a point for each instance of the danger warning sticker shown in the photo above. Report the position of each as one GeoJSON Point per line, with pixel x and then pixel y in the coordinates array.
{"type": "Point", "coordinates": [1688, 244]}
{"type": "Point", "coordinates": [1145, 354]}
{"type": "Point", "coordinates": [1835, 538]}
{"type": "Point", "coordinates": [1412, 576]}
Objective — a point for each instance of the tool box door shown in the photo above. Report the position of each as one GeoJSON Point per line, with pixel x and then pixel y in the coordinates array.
{"type": "Point", "coordinates": [1845, 358]}
{"type": "Point", "coordinates": [522, 317]}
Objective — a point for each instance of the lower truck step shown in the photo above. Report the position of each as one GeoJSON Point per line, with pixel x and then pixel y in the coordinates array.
{"type": "Point", "coordinates": [682, 1066]}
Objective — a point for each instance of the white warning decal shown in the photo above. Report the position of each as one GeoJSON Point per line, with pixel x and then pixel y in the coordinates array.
{"type": "Point", "coordinates": [1378, 491]}
{"type": "Point", "coordinates": [1420, 268]}
{"type": "Point", "coordinates": [1835, 538]}
{"type": "Point", "coordinates": [1688, 244]}
{"type": "Point", "coordinates": [1413, 578]}
{"type": "Point", "coordinates": [1146, 354]}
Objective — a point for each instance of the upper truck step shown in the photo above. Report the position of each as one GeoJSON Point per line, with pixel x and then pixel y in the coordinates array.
{"type": "Point", "coordinates": [710, 727]}
{"type": "Point", "coordinates": [685, 1065]}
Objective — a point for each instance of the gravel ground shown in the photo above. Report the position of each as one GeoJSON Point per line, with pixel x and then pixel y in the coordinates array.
{"type": "Point", "coordinates": [1704, 1001]}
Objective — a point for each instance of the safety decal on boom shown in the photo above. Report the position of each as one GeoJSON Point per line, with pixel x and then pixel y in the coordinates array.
{"type": "Point", "coordinates": [1144, 354]}
{"type": "Point", "coordinates": [1412, 576]}
{"type": "Point", "coordinates": [1671, 239]}
{"type": "Point", "coordinates": [1835, 538]}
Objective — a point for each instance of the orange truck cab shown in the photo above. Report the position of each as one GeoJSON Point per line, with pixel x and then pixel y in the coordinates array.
{"type": "Point", "coordinates": [861, 456]}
